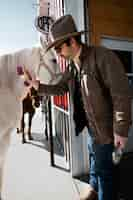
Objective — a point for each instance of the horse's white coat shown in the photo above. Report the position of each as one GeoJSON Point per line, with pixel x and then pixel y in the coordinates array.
{"type": "Point", "coordinates": [12, 88]}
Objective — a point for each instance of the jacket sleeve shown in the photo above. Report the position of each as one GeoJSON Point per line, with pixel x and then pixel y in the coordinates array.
{"type": "Point", "coordinates": [116, 81]}
{"type": "Point", "coordinates": [57, 89]}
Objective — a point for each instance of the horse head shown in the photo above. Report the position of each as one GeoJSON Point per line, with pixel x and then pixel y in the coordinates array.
{"type": "Point", "coordinates": [26, 65]}
{"type": "Point", "coordinates": [49, 69]}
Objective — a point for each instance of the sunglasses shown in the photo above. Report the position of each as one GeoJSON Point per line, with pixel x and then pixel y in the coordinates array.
{"type": "Point", "coordinates": [59, 48]}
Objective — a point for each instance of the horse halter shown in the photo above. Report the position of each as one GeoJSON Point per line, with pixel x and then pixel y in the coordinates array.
{"type": "Point", "coordinates": [43, 64]}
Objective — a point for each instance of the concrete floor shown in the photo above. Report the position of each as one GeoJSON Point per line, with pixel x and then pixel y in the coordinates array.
{"type": "Point", "coordinates": [28, 174]}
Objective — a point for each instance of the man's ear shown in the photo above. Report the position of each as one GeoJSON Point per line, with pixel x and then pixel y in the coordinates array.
{"type": "Point", "coordinates": [72, 41]}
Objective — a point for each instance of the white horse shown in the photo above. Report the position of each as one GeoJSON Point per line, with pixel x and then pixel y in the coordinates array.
{"type": "Point", "coordinates": [12, 88]}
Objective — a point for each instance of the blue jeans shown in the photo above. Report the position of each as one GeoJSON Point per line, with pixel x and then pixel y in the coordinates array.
{"type": "Point", "coordinates": [101, 169]}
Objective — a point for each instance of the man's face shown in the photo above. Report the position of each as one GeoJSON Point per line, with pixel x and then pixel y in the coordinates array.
{"type": "Point", "coordinates": [64, 50]}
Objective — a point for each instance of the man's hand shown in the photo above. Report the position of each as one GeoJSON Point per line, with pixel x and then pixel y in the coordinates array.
{"type": "Point", "coordinates": [35, 84]}
{"type": "Point", "coordinates": [120, 141]}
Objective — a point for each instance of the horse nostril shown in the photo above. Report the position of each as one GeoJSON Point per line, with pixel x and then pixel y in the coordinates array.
{"type": "Point", "coordinates": [54, 60]}
{"type": "Point", "coordinates": [37, 104]}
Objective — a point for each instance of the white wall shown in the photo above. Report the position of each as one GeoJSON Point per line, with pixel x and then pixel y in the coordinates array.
{"type": "Point", "coordinates": [79, 151]}
{"type": "Point", "coordinates": [76, 9]}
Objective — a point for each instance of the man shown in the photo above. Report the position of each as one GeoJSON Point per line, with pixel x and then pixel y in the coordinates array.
{"type": "Point", "coordinates": [106, 100]}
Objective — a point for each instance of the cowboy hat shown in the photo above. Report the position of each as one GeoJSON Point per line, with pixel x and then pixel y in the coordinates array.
{"type": "Point", "coordinates": [62, 29]}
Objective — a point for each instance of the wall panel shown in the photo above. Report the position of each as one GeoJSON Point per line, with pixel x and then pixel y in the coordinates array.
{"type": "Point", "coordinates": [110, 18]}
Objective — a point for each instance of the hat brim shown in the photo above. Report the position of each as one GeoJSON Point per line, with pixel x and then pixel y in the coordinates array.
{"type": "Point", "coordinates": [60, 40]}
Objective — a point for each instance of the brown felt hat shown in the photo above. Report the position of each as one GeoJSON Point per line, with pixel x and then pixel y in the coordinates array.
{"type": "Point", "coordinates": [61, 29]}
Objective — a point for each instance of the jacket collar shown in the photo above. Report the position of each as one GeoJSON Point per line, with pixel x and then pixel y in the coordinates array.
{"type": "Point", "coordinates": [84, 53]}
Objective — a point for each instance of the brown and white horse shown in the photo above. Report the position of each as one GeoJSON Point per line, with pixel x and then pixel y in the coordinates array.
{"type": "Point", "coordinates": [13, 89]}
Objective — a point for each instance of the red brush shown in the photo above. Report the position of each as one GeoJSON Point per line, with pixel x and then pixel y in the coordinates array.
{"type": "Point", "coordinates": [20, 70]}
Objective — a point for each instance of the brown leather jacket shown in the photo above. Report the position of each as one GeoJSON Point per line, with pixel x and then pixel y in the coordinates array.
{"type": "Point", "coordinates": [105, 92]}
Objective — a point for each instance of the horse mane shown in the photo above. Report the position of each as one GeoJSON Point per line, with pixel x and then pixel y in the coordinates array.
{"type": "Point", "coordinates": [27, 57]}
{"type": "Point", "coordinates": [20, 57]}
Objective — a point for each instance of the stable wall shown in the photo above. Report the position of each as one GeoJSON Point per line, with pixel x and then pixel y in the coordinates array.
{"type": "Point", "coordinates": [113, 18]}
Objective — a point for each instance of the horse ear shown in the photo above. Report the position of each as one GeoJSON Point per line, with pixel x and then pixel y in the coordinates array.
{"type": "Point", "coordinates": [43, 42]}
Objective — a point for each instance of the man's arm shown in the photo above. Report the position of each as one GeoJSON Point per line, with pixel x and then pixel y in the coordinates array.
{"type": "Point", "coordinates": [117, 82]}
{"type": "Point", "coordinates": [54, 89]}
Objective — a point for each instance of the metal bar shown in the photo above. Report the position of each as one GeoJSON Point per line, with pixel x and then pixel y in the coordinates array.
{"type": "Point", "coordinates": [61, 109]}
{"type": "Point", "coordinates": [51, 134]}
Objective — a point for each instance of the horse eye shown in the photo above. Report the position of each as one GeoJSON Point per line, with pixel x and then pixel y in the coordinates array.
{"type": "Point", "coordinates": [54, 60]}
